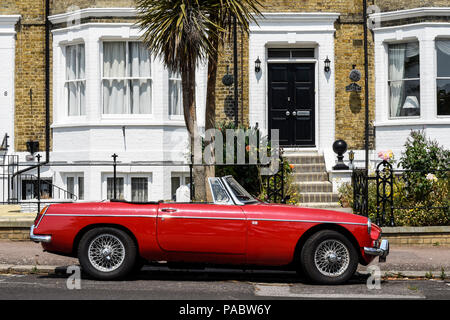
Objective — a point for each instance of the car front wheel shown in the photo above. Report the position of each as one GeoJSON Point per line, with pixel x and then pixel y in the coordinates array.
{"type": "Point", "coordinates": [328, 257]}
{"type": "Point", "coordinates": [107, 253]}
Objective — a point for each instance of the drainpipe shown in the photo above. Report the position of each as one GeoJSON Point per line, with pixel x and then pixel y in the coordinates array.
{"type": "Point", "coordinates": [366, 88]}
{"type": "Point", "coordinates": [47, 94]}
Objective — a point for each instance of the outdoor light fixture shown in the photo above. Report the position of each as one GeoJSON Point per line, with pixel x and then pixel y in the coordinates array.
{"type": "Point", "coordinates": [327, 65]}
{"type": "Point", "coordinates": [339, 147]}
{"type": "Point", "coordinates": [351, 157]}
{"type": "Point", "coordinates": [257, 65]}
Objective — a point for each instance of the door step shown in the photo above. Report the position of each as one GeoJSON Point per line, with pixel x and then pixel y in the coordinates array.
{"type": "Point", "coordinates": [311, 179]}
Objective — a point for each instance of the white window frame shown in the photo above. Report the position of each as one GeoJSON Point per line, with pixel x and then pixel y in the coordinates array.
{"type": "Point", "coordinates": [127, 79]}
{"type": "Point", "coordinates": [126, 183]}
{"type": "Point", "coordinates": [80, 80]}
{"type": "Point", "coordinates": [76, 188]}
{"type": "Point", "coordinates": [387, 44]}
{"type": "Point", "coordinates": [183, 179]}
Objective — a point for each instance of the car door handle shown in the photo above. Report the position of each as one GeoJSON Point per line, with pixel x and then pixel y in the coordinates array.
{"type": "Point", "coordinates": [169, 210]}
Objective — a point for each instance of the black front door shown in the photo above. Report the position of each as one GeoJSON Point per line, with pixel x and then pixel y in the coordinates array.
{"type": "Point", "coordinates": [291, 103]}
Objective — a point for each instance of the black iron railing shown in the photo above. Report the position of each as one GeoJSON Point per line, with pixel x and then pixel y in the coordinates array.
{"type": "Point", "coordinates": [386, 180]}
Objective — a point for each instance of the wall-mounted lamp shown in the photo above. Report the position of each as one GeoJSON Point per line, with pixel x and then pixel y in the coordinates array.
{"type": "Point", "coordinates": [257, 65]}
{"type": "Point", "coordinates": [327, 65]}
{"type": "Point", "coordinates": [351, 157]}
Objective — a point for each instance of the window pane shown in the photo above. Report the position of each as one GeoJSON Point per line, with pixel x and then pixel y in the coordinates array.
{"type": "Point", "coordinates": [72, 95]}
{"type": "Point", "coordinates": [114, 59]}
{"type": "Point", "coordinates": [175, 184]}
{"type": "Point", "coordinates": [80, 188]}
{"type": "Point", "coordinates": [139, 189]}
{"type": "Point", "coordinates": [218, 191]}
{"type": "Point", "coordinates": [404, 98]}
{"type": "Point", "coordinates": [443, 58]}
{"type": "Point", "coordinates": [70, 187]}
{"type": "Point", "coordinates": [110, 188]}
{"type": "Point", "coordinates": [443, 97]}
{"type": "Point", "coordinates": [140, 98]}
{"type": "Point", "coordinates": [80, 61]}
{"type": "Point", "coordinates": [71, 62]}
{"type": "Point", "coordinates": [75, 89]}
{"type": "Point", "coordinates": [279, 53]}
{"type": "Point", "coordinates": [303, 53]}
{"type": "Point", "coordinates": [175, 97]}
{"type": "Point", "coordinates": [139, 60]}
{"type": "Point", "coordinates": [114, 94]}
{"type": "Point", "coordinates": [404, 61]}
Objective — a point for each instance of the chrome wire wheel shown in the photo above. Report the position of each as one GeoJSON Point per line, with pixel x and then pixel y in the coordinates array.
{"type": "Point", "coordinates": [332, 258]}
{"type": "Point", "coordinates": [106, 253]}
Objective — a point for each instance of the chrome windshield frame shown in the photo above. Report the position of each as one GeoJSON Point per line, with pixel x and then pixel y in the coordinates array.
{"type": "Point", "coordinates": [233, 195]}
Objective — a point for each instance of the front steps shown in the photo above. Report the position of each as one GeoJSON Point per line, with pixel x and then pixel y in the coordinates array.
{"type": "Point", "coordinates": [311, 179]}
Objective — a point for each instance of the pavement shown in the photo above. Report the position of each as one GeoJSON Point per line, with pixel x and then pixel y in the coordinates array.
{"type": "Point", "coordinates": [403, 261]}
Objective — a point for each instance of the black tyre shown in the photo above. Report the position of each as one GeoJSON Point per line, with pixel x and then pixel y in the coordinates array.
{"type": "Point", "coordinates": [328, 257]}
{"type": "Point", "coordinates": [107, 253]}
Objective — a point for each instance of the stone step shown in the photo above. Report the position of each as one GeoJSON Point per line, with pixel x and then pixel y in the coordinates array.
{"type": "Point", "coordinates": [308, 176]}
{"type": "Point", "coordinates": [326, 206]}
{"type": "Point", "coordinates": [310, 167]}
{"type": "Point", "coordinates": [314, 186]}
{"type": "Point", "coordinates": [321, 205]}
{"type": "Point", "coordinates": [305, 159]}
{"type": "Point", "coordinates": [329, 197]}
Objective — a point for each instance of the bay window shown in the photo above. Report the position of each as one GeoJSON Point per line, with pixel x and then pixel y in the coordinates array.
{"type": "Point", "coordinates": [443, 77]}
{"type": "Point", "coordinates": [75, 82]}
{"type": "Point", "coordinates": [126, 78]}
{"type": "Point", "coordinates": [404, 79]}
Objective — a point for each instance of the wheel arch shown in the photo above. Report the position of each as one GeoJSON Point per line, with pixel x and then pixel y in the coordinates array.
{"type": "Point", "coordinates": [326, 226]}
{"type": "Point", "coordinates": [87, 228]}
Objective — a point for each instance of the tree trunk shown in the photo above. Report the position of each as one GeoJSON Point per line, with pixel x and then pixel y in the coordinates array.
{"type": "Point", "coordinates": [210, 112]}
{"type": "Point", "coordinates": [190, 118]}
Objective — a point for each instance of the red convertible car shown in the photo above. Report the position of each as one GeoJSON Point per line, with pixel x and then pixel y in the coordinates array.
{"type": "Point", "coordinates": [111, 238]}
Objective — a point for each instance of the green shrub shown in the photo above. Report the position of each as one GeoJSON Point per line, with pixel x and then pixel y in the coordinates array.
{"type": "Point", "coordinates": [249, 176]}
{"type": "Point", "coordinates": [421, 194]}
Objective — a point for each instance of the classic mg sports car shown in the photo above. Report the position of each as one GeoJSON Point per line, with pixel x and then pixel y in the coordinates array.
{"type": "Point", "coordinates": [113, 238]}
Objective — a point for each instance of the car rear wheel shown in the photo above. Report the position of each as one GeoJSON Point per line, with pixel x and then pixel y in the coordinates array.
{"type": "Point", "coordinates": [107, 253]}
{"type": "Point", "coordinates": [328, 257]}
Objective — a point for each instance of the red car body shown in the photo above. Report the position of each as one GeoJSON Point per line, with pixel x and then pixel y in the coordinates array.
{"type": "Point", "coordinates": [253, 234]}
{"type": "Point", "coordinates": [111, 238]}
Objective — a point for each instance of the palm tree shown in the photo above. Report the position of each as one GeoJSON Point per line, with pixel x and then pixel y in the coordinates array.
{"type": "Point", "coordinates": [183, 33]}
{"type": "Point", "coordinates": [177, 31]}
{"type": "Point", "coordinates": [223, 14]}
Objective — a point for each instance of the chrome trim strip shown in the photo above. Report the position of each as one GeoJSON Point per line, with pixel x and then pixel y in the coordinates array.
{"type": "Point", "coordinates": [198, 217]}
{"type": "Point", "coordinates": [308, 221]}
{"type": "Point", "coordinates": [208, 218]}
{"type": "Point", "coordinates": [37, 225]}
{"type": "Point", "coordinates": [101, 215]}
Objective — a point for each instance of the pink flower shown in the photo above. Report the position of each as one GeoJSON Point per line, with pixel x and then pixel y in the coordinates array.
{"type": "Point", "coordinates": [386, 155]}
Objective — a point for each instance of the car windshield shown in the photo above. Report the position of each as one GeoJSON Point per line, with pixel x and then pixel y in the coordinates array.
{"type": "Point", "coordinates": [240, 193]}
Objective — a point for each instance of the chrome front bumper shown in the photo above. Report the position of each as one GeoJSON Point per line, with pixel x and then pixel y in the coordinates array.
{"type": "Point", "coordinates": [39, 238]}
{"type": "Point", "coordinates": [382, 251]}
